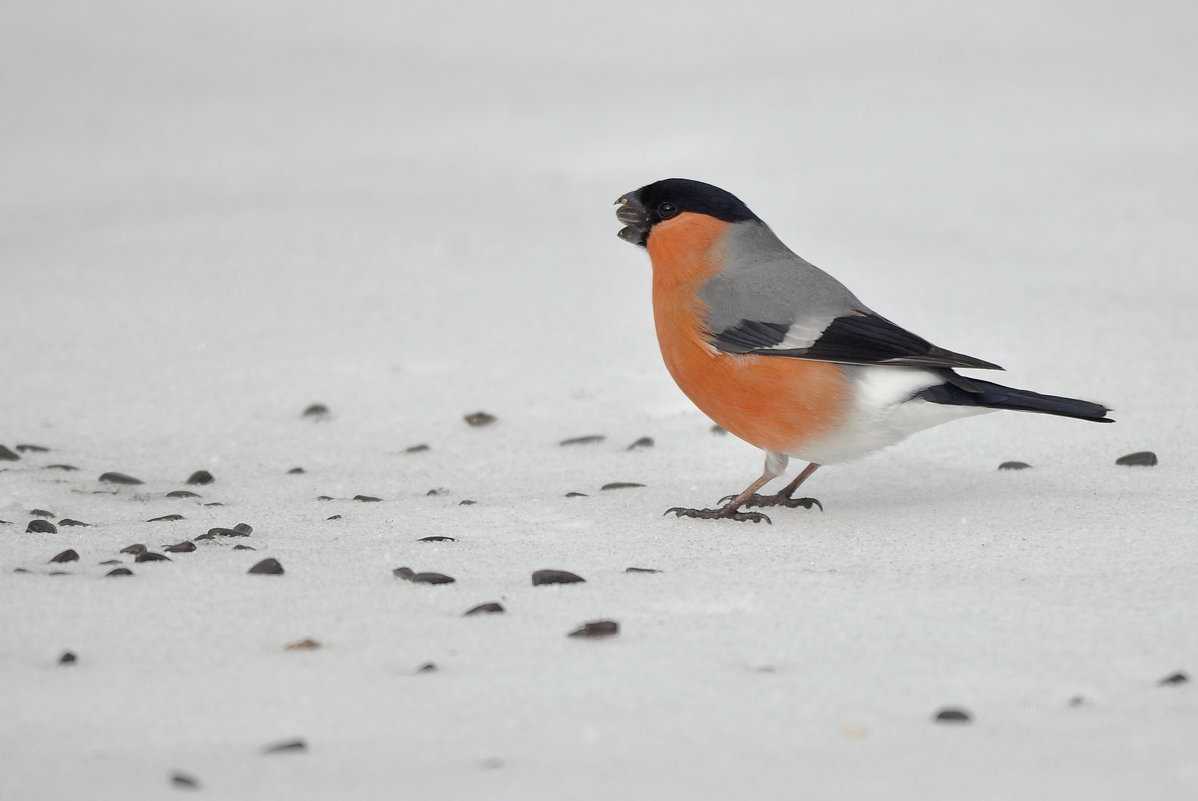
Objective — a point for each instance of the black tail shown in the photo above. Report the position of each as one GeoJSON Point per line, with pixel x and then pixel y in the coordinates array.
{"type": "Point", "coordinates": [971, 392]}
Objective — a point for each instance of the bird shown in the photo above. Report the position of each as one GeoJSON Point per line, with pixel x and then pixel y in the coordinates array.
{"type": "Point", "coordinates": [782, 355]}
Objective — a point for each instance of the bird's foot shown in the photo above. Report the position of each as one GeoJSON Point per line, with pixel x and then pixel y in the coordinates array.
{"type": "Point", "coordinates": [723, 513]}
{"type": "Point", "coordinates": [777, 500]}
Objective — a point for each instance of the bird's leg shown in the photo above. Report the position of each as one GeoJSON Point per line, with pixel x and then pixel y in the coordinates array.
{"type": "Point", "coordinates": [775, 464]}
{"type": "Point", "coordinates": [785, 497]}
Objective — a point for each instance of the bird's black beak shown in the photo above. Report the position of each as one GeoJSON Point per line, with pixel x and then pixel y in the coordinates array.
{"type": "Point", "coordinates": [635, 219]}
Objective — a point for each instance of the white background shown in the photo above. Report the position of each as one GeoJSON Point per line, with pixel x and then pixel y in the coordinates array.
{"type": "Point", "coordinates": [214, 214]}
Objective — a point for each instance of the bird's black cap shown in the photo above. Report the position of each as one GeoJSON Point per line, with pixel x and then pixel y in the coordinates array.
{"type": "Point", "coordinates": [662, 200]}
{"type": "Point", "coordinates": [697, 197]}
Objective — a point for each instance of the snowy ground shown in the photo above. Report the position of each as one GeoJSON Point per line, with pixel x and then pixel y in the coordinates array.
{"type": "Point", "coordinates": [215, 214]}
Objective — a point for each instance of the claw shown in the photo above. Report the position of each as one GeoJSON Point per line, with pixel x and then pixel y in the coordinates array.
{"type": "Point", "coordinates": [718, 514]}
{"type": "Point", "coordinates": [779, 500]}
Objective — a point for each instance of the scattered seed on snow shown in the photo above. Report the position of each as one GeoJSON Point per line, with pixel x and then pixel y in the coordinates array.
{"type": "Point", "coordinates": [244, 528]}
{"type": "Point", "coordinates": [32, 449]}
{"type": "Point", "coordinates": [404, 573]}
{"type": "Point", "coordinates": [39, 526]}
{"type": "Point", "coordinates": [244, 548]}
{"type": "Point", "coordinates": [641, 570]}
{"type": "Point", "coordinates": [165, 519]}
{"type": "Point", "coordinates": [200, 477]}
{"type": "Point", "coordinates": [66, 521]}
{"type": "Point", "coordinates": [466, 502]}
{"type": "Point", "coordinates": [285, 747]}
{"type": "Point", "coordinates": [367, 498]}
{"type": "Point", "coordinates": [596, 628]}
{"type": "Point", "coordinates": [421, 448]}
{"type": "Point", "coordinates": [295, 471]}
{"type": "Point", "coordinates": [181, 547]}
{"type": "Point", "coordinates": [119, 571]}
{"type": "Point", "coordinates": [555, 577]}
{"type": "Point", "coordinates": [1175, 678]}
{"type": "Point", "coordinates": [68, 658]}
{"type": "Point", "coordinates": [1138, 459]}
{"type": "Point", "coordinates": [952, 715]}
{"type": "Point", "coordinates": [427, 667]}
{"type": "Point", "coordinates": [135, 548]}
{"type": "Point", "coordinates": [589, 439]}
{"type": "Point", "coordinates": [718, 429]}
{"type": "Point", "coordinates": [613, 485]}
{"type": "Point", "coordinates": [577, 495]}
{"type": "Point", "coordinates": [120, 478]}
{"type": "Point", "coordinates": [64, 467]}
{"type": "Point", "coordinates": [489, 608]}
{"type": "Point", "coordinates": [150, 556]}
{"type": "Point", "coordinates": [225, 532]}
{"type": "Point", "coordinates": [182, 494]}
{"type": "Point", "coordinates": [643, 442]}
{"type": "Point", "coordinates": [214, 503]}
{"type": "Point", "coordinates": [480, 419]}
{"type": "Point", "coordinates": [268, 567]}
{"type": "Point", "coordinates": [41, 513]}
{"type": "Point", "coordinates": [436, 538]}
{"type": "Point", "coordinates": [68, 555]}
{"type": "Point", "coordinates": [7, 455]}
{"type": "Point", "coordinates": [325, 498]}
{"type": "Point", "coordinates": [107, 562]}
{"type": "Point", "coordinates": [333, 517]}
{"type": "Point", "coordinates": [1014, 466]}
{"type": "Point", "coordinates": [436, 492]}
{"type": "Point", "coordinates": [432, 578]}
{"type": "Point", "coordinates": [302, 645]}
{"type": "Point", "coordinates": [317, 411]}
{"type": "Point", "coordinates": [183, 780]}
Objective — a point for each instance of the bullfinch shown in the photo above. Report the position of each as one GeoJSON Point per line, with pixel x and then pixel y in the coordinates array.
{"type": "Point", "coordinates": [783, 355]}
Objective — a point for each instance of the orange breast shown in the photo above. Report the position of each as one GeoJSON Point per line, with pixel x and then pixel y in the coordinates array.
{"type": "Point", "coordinates": [775, 403]}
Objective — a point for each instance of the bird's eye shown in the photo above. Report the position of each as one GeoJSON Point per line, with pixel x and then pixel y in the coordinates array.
{"type": "Point", "coordinates": [667, 210]}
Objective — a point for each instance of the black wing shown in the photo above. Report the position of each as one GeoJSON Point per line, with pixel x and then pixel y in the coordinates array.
{"type": "Point", "coordinates": [857, 338]}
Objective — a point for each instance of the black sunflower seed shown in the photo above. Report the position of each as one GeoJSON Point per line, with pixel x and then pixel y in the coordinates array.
{"type": "Point", "coordinates": [200, 477]}
{"type": "Point", "coordinates": [317, 411]}
{"type": "Point", "coordinates": [119, 478]}
{"type": "Point", "coordinates": [596, 628]}
{"type": "Point", "coordinates": [589, 439]}
{"type": "Point", "coordinates": [268, 567]}
{"type": "Point", "coordinates": [491, 607]}
{"type": "Point", "coordinates": [1138, 459]}
{"type": "Point", "coordinates": [952, 715]}
{"type": "Point", "coordinates": [555, 577]}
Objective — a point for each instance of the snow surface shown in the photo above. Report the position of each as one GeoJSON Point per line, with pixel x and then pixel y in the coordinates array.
{"type": "Point", "coordinates": [213, 214]}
